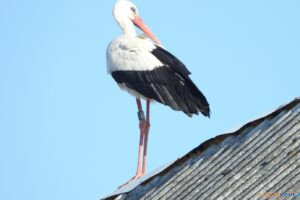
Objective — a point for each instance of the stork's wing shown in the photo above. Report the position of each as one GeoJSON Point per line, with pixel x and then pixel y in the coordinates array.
{"type": "Point", "coordinates": [168, 84]}
{"type": "Point", "coordinates": [169, 60]}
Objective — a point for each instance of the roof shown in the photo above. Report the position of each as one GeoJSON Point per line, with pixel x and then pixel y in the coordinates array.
{"type": "Point", "coordinates": [261, 156]}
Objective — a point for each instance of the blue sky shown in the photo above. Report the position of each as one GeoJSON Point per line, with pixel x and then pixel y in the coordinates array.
{"type": "Point", "coordinates": [68, 132]}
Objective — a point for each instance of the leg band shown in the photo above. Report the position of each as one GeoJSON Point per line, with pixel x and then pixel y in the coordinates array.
{"type": "Point", "coordinates": [141, 116]}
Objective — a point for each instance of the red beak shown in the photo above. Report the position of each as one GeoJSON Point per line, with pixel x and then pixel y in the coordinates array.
{"type": "Point", "coordinates": [141, 25]}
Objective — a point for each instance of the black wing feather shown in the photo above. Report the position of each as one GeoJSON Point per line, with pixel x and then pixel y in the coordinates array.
{"type": "Point", "coordinates": [168, 59]}
{"type": "Point", "coordinates": [169, 84]}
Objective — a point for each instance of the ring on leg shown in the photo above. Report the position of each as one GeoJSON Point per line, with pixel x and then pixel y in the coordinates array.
{"type": "Point", "coordinates": [146, 133]}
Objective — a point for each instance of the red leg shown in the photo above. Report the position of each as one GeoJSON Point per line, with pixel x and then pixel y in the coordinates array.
{"type": "Point", "coordinates": [146, 133]}
{"type": "Point", "coordinates": [144, 128]}
{"type": "Point", "coordinates": [139, 171]}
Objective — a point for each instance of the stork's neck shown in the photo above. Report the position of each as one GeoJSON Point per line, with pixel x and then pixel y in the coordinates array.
{"type": "Point", "coordinates": [128, 28]}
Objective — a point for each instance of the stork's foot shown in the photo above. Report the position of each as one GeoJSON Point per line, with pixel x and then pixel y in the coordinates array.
{"type": "Point", "coordinates": [136, 177]}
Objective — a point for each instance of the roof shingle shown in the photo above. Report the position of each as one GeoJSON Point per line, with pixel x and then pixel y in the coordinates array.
{"type": "Point", "coordinates": [261, 156]}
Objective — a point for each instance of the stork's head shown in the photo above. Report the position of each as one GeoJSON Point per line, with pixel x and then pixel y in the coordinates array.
{"type": "Point", "coordinates": [125, 9]}
{"type": "Point", "coordinates": [127, 14]}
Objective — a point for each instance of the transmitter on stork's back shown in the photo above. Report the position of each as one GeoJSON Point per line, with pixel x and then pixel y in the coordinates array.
{"type": "Point", "coordinates": [141, 66]}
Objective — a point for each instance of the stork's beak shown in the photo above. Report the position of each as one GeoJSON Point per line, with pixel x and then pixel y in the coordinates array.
{"type": "Point", "coordinates": [141, 25]}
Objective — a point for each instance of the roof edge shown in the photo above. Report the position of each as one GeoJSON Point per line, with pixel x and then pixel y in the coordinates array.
{"type": "Point", "coordinates": [214, 141]}
{"type": "Point", "coordinates": [220, 138]}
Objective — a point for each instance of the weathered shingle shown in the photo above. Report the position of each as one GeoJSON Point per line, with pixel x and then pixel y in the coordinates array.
{"type": "Point", "coordinates": [261, 156]}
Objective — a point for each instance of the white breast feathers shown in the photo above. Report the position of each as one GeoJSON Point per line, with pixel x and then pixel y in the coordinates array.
{"type": "Point", "coordinates": [124, 54]}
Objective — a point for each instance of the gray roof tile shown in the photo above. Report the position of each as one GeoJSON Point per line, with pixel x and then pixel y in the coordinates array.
{"type": "Point", "coordinates": [261, 156]}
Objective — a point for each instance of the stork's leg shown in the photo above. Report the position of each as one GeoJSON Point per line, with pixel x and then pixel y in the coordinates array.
{"type": "Point", "coordinates": [144, 128]}
{"type": "Point", "coordinates": [146, 133]}
{"type": "Point", "coordinates": [141, 116]}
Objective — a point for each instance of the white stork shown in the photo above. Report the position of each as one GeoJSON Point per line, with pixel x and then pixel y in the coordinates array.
{"type": "Point", "coordinates": [148, 71]}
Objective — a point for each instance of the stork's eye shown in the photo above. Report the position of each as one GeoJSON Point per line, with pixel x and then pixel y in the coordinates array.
{"type": "Point", "coordinates": [133, 10]}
